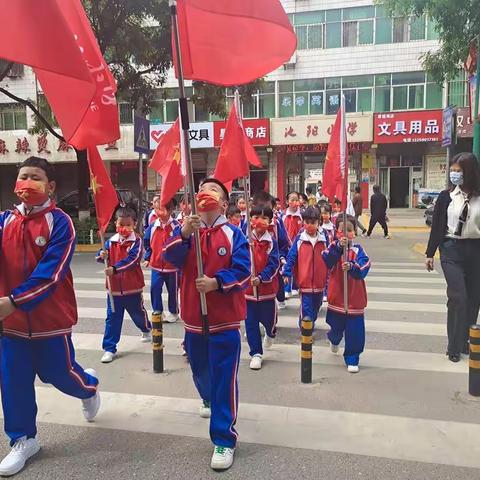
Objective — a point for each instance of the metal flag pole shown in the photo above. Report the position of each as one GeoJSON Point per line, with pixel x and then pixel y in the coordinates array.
{"type": "Point", "coordinates": [246, 192]}
{"type": "Point", "coordinates": [188, 155]}
{"type": "Point", "coordinates": [344, 165]}
{"type": "Point", "coordinates": [109, 282]}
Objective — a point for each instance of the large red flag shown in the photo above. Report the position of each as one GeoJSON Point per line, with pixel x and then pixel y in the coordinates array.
{"type": "Point", "coordinates": [104, 193]}
{"type": "Point", "coordinates": [233, 42]}
{"type": "Point", "coordinates": [167, 162]}
{"type": "Point", "coordinates": [236, 152]}
{"type": "Point", "coordinates": [335, 172]}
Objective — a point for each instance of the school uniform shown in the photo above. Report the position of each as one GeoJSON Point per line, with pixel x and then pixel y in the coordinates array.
{"type": "Point", "coordinates": [293, 224]}
{"type": "Point", "coordinates": [36, 249]}
{"type": "Point", "coordinates": [331, 231]}
{"type": "Point", "coordinates": [305, 260]}
{"type": "Point", "coordinates": [149, 218]}
{"type": "Point", "coordinates": [163, 272]}
{"type": "Point", "coordinates": [261, 306]}
{"type": "Point", "coordinates": [279, 232]}
{"type": "Point", "coordinates": [351, 324]}
{"type": "Point", "coordinates": [214, 358]}
{"type": "Point", "coordinates": [124, 255]}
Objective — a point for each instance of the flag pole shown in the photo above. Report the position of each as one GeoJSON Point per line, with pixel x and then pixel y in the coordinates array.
{"type": "Point", "coordinates": [344, 159]}
{"type": "Point", "coordinates": [188, 155]}
{"type": "Point", "coordinates": [109, 281]}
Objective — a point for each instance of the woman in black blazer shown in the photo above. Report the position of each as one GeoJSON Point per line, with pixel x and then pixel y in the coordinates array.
{"type": "Point", "coordinates": [456, 232]}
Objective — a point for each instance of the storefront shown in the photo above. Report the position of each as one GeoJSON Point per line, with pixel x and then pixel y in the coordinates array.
{"type": "Point", "coordinates": [409, 156]}
{"type": "Point", "coordinates": [464, 130]}
{"type": "Point", "coordinates": [301, 145]}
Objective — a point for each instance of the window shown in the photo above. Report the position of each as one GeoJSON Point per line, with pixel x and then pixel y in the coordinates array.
{"type": "Point", "coordinates": [417, 28]}
{"type": "Point", "coordinates": [416, 95]}
{"type": "Point", "coordinates": [432, 32]}
{"type": "Point", "coordinates": [400, 29]}
{"type": "Point", "coordinates": [333, 102]}
{"type": "Point", "coordinates": [309, 37]}
{"type": "Point", "coordinates": [382, 99]}
{"type": "Point", "coordinates": [126, 113]}
{"type": "Point", "coordinates": [350, 34]}
{"type": "Point", "coordinates": [13, 116]}
{"type": "Point", "coordinates": [434, 95]}
{"type": "Point", "coordinates": [165, 108]}
{"type": "Point", "coordinates": [383, 30]}
{"type": "Point", "coordinates": [458, 90]}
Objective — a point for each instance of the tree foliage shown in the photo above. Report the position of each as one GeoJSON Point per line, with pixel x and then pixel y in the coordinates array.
{"type": "Point", "coordinates": [457, 23]}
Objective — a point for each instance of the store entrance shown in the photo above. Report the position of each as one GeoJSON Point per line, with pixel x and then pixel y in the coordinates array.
{"type": "Point", "coordinates": [399, 187]}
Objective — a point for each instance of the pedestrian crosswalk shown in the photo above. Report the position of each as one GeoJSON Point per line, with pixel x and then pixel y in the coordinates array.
{"type": "Point", "coordinates": [380, 412]}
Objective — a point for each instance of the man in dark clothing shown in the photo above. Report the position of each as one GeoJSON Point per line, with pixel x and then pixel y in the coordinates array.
{"type": "Point", "coordinates": [358, 207]}
{"type": "Point", "coordinates": [378, 209]}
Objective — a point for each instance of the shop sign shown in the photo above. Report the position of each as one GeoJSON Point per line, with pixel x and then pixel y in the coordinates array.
{"type": "Point", "coordinates": [257, 130]}
{"type": "Point", "coordinates": [201, 134]}
{"type": "Point", "coordinates": [464, 123]}
{"type": "Point", "coordinates": [317, 130]}
{"type": "Point", "coordinates": [436, 172]}
{"type": "Point", "coordinates": [323, 147]}
{"type": "Point", "coordinates": [447, 126]}
{"type": "Point", "coordinates": [408, 127]}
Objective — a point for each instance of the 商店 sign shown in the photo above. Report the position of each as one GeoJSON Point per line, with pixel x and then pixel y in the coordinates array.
{"type": "Point", "coordinates": [257, 130]}
{"type": "Point", "coordinates": [408, 127]}
{"type": "Point", "coordinates": [201, 134]}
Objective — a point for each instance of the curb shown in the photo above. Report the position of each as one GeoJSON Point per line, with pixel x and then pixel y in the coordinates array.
{"type": "Point", "coordinates": [88, 248]}
{"type": "Point", "coordinates": [420, 249]}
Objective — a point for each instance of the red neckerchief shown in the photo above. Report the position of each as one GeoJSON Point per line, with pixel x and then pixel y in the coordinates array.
{"type": "Point", "coordinates": [24, 218]}
{"type": "Point", "coordinates": [205, 236]}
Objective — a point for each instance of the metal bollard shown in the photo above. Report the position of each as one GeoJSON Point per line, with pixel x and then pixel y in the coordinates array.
{"type": "Point", "coordinates": [307, 343]}
{"type": "Point", "coordinates": [474, 364]}
{"type": "Point", "coordinates": [157, 342]}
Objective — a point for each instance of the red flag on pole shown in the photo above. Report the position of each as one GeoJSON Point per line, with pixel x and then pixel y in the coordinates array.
{"type": "Point", "coordinates": [236, 152]}
{"type": "Point", "coordinates": [104, 193]}
{"type": "Point", "coordinates": [232, 43]}
{"type": "Point", "coordinates": [335, 172]}
{"type": "Point", "coordinates": [167, 162]}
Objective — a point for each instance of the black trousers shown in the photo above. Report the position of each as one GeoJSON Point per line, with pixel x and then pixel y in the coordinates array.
{"type": "Point", "coordinates": [382, 220]}
{"type": "Point", "coordinates": [460, 260]}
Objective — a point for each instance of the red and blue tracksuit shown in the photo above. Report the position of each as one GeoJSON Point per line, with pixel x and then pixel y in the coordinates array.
{"type": "Point", "coordinates": [214, 358]}
{"type": "Point", "coordinates": [293, 225]}
{"type": "Point", "coordinates": [163, 272]}
{"type": "Point", "coordinates": [305, 260]}
{"type": "Point", "coordinates": [351, 324]}
{"type": "Point", "coordinates": [261, 307]}
{"type": "Point", "coordinates": [127, 284]}
{"type": "Point", "coordinates": [149, 218]}
{"type": "Point", "coordinates": [36, 249]}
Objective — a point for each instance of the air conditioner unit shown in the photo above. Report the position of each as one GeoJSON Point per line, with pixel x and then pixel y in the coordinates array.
{"type": "Point", "coordinates": [290, 65]}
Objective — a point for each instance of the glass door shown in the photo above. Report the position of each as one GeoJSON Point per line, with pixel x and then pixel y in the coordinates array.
{"type": "Point", "coordinates": [385, 183]}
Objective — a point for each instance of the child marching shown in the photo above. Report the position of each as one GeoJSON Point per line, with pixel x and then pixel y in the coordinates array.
{"type": "Point", "coordinates": [214, 358]}
{"type": "Point", "coordinates": [260, 295]}
{"type": "Point", "coordinates": [163, 272]}
{"type": "Point", "coordinates": [152, 214]}
{"type": "Point", "coordinates": [234, 215]}
{"type": "Point", "coordinates": [292, 220]}
{"type": "Point", "coordinates": [124, 253]}
{"type": "Point", "coordinates": [350, 323]}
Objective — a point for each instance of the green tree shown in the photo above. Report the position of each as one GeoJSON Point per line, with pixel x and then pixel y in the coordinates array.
{"type": "Point", "coordinates": [457, 23]}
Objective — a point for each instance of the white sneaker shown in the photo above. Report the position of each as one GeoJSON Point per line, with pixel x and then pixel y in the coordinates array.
{"type": "Point", "coordinates": [170, 317]}
{"type": "Point", "coordinates": [267, 342]}
{"type": "Point", "coordinates": [222, 458]}
{"type": "Point", "coordinates": [107, 357]}
{"type": "Point", "coordinates": [333, 348]}
{"type": "Point", "coordinates": [146, 337]}
{"type": "Point", "coordinates": [353, 368]}
{"type": "Point", "coordinates": [91, 405]}
{"type": "Point", "coordinates": [21, 451]}
{"type": "Point", "coordinates": [281, 306]}
{"type": "Point", "coordinates": [256, 362]}
{"type": "Point", "coordinates": [288, 294]}
{"type": "Point", "coordinates": [294, 293]}
{"type": "Point", "coordinates": [204, 410]}
{"type": "Point", "coordinates": [387, 237]}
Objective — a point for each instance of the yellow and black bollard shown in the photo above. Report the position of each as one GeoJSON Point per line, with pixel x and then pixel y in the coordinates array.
{"type": "Point", "coordinates": [307, 344]}
{"type": "Point", "coordinates": [157, 342]}
{"type": "Point", "coordinates": [474, 370]}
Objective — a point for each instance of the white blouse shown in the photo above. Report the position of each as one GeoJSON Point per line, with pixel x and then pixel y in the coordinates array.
{"type": "Point", "coordinates": [471, 229]}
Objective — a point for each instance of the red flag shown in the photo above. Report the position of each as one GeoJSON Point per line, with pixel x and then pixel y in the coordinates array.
{"type": "Point", "coordinates": [104, 193]}
{"type": "Point", "coordinates": [335, 172]}
{"type": "Point", "coordinates": [236, 152]}
{"type": "Point", "coordinates": [234, 42]}
{"type": "Point", "coordinates": [76, 80]}
{"type": "Point", "coordinates": [167, 162]}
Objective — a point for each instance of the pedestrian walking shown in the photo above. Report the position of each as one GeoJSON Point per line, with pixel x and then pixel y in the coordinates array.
{"type": "Point", "coordinates": [37, 309]}
{"type": "Point", "coordinates": [456, 232]}
{"type": "Point", "coordinates": [358, 209]}
{"type": "Point", "coordinates": [378, 211]}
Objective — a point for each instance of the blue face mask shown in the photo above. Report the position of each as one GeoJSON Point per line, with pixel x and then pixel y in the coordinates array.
{"type": "Point", "coordinates": [456, 178]}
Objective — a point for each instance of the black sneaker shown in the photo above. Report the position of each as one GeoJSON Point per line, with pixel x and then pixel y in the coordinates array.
{"type": "Point", "coordinates": [454, 357]}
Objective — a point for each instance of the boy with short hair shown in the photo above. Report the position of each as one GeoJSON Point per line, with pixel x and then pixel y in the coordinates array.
{"type": "Point", "coordinates": [260, 295]}
{"type": "Point", "coordinates": [350, 323]}
{"type": "Point", "coordinates": [214, 358]}
{"type": "Point", "coordinates": [152, 214]}
{"type": "Point", "coordinates": [163, 272]}
{"type": "Point", "coordinates": [37, 310]}
{"type": "Point", "coordinates": [326, 222]}
{"type": "Point", "coordinates": [234, 215]}
{"type": "Point", "coordinates": [293, 224]}
{"type": "Point", "coordinates": [305, 258]}
{"type": "Point", "coordinates": [124, 252]}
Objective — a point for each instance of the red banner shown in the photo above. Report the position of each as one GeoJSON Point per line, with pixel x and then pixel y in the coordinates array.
{"type": "Point", "coordinates": [408, 127]}
{"type": "Point", "coordinates": [258, 131]}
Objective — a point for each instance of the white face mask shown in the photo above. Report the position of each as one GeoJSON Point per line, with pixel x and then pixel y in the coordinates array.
{"type": "Point", "coordinates": [456, 178]}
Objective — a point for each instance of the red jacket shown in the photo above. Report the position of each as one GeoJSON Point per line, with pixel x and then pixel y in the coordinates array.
{"type": "Point", "coordinates": [125, 255]}
{"type": "Point", "coordinates": [306, 260]}
{"type": "Point", "coordinates": [35, 255]}
{"type": "Point", "coordinates": [357, 291]}
{"type": "Point", "coordinates": [226, 258]}
{"type": "Point", "coordinates": [156, 237]}
{"type": "Point", "coordinates": [267, 263]}
{"type": "Point", "coordinates": [293, 223]}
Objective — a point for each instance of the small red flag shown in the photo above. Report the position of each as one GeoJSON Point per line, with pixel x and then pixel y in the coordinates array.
{"type": "Point", "coordinates": [335, 172]}
{"type": "Point", "coordinates": [104, 193]}
{"type": "Point", "coordinates": [233, 42]}
{"type": "Point", "coordinates": [236, 152]}
{"type": "Point", "coordinates": [167, 162]}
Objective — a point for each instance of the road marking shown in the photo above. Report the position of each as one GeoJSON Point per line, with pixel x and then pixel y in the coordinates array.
{"type": "Point", "coordinates": [415, 271]}
{"type": "Point", "coordinates": [397, 280]}
{"type": "Point", "coordinates": [421, 292]}
{"type": "Point", "coordinates": [385, 436]}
